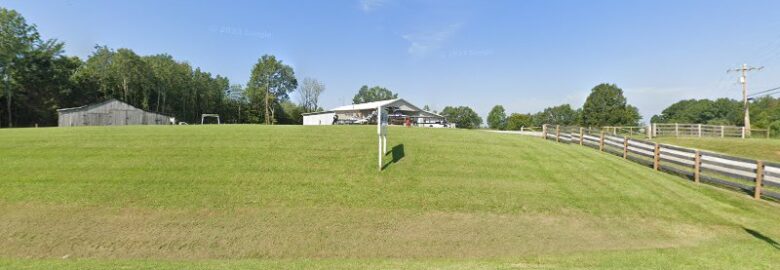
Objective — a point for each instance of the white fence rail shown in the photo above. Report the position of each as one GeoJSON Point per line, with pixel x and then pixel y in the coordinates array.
{"type": "Point", "coordinates": [697, 130]}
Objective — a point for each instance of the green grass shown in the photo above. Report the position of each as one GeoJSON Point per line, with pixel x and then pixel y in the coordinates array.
{"type": "Point", "coordinates": [763, 149]}
{"type": "Point", "coordinates": [294, 197]}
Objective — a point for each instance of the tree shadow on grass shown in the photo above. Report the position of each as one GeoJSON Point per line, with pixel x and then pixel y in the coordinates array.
{"type": "Point", "coordinates": [762, 237]}
{"type": "Point", "coordinates": [398, 154]}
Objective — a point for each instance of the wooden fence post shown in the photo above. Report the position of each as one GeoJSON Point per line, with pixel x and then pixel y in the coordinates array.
{"type": "Point", "coordinates": [699, 130]}
{"type": "Point", "coordinates": [696, 166]}
{"type": "Point", "coordinates": [557, 133]}
{"type": "Point", "coordinates": [601, 142]}
{"type": "Point", "coordinates": [544, 131]}
{"type": "Point", "coordinates": [743, 132]}
{"type": "Point", "coordinates": [722, 131]}
{"type": "Point", "coordinates": [625, 147]}
{"type": "Point", "coordinates": [676, 130]}
{"type": "Point", "coordinates": [657, 157]}
{"type": "Point", "coordinates": [581, 135]}
{"type": "Point", "coordinates": [759, 179]}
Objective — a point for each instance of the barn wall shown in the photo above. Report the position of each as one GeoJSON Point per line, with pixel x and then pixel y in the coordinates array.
{"type": "Point", "coordinates": [112, 113]}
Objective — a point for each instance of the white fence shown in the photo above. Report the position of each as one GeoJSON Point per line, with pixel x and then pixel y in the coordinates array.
{"type": "Point", "coordinates": [697, 130]}
{"type": "Point", "coordinates": [755, 177]}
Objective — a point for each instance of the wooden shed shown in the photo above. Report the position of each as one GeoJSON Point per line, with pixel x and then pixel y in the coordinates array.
{"type": "Point", "coordinates": [111, 112]}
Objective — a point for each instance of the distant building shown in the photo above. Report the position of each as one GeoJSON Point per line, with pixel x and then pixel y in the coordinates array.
{"type": "Point", "coordinates": [111, 112]}
{"type": "Point", "coordinates": [399, 112]}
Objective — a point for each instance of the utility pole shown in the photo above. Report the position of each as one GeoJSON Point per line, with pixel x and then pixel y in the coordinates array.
{"type": "Point", "coordinates": [743, 80]}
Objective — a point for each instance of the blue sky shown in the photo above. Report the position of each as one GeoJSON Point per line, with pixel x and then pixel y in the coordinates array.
{"type": "Point", "coordinates": [525, 55]}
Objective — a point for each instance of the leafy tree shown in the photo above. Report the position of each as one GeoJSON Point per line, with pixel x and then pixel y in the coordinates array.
{"type": "Point", "coordinates": [309, 94]}
{"type": "Point", "coordinates": [606, 106]}
{"type": "Point", "coordinates": [270, 84]}
{"type": "Point", "coordinates": [40, 79]}
{"type": "Point", "coordinates": [18, 42]}
{"type": "Point", "coordinates": [156, 83]}
{"type": "Point", "coordinates": [375, 93]}
{"type": "Point", "coordinates": [764, 112]}
{"type": "Point", "coordinates": [704, 111]}
{"type": "Point", "coordinates": [516, 121]}
{"type": "Point", "coordinates": [290, 113]}
{"type": "Point", "coordinates": [562, 115]}
{"type": "Point", "coordinates": [497, 118]}
{"type": "Point", "coordinates": [462, 116]}
{"type": "Point", "coordinates": [426, 108]}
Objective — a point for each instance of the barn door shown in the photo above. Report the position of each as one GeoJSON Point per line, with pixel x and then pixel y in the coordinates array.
{"type": "Point", "coordinates": [119, 117]}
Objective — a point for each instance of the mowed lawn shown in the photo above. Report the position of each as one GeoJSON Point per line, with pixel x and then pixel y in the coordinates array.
{"type": "Point", "coordinates": [755, 148]}
{"type": "Point", "coordinates": [295, 197]}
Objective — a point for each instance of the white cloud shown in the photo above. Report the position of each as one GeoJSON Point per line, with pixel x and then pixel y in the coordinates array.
{"type": "Point", "coordinates": [371, 5]}
{"type": "Point", "coordinates": [421, 44]}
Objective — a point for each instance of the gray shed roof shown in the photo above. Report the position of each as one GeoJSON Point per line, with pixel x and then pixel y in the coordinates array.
{"type": "Point", "coordinates": [98, 104]}
{"type": "Point", "coordinates": [93, 105]}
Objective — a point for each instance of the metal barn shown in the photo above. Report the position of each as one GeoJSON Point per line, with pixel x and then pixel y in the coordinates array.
{"type": "Point", "coordinates": [111, 112]}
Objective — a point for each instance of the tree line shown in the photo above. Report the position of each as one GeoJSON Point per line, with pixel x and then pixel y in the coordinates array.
{"type": "Point", "coordinates": [764, 112]}
{"type": "Point", "coordinates": [605, 106]}
{"type": "Point", "coordinates": [37, 78]}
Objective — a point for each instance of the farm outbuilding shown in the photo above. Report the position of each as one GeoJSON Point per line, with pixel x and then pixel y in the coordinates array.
{"type": "Point", "coordinates": [399, 111]}
{"type": "Point", "coordinates": [111, 112]}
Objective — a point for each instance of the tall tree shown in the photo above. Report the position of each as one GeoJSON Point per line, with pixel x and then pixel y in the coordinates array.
{"type": "Point", "coordinates": [270, 83]}
{"type": "Point", "coordinates": [17, 41]}
{"type": "Point", "coordinates": [497, 118]}
{"type": "Point", "coordinates": [375, 93]}
{"type": "Point", "coordinates": [516, 121]}
{"type": "Point", "coordinates": [606, 106]}
{"type": "Point", "coordinates": [309, 94]}
{"type": "Point", "coordinates": [558, 115]}
{"type": "Point", "coordinates": [462, 116]}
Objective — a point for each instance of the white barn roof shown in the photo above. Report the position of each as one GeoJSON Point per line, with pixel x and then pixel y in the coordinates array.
{"type": "Point", "coordinates": [399, 102]}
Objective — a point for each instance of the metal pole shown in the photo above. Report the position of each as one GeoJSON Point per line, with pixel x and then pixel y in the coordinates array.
{"type": "Point", "coordinates": [379, 152]}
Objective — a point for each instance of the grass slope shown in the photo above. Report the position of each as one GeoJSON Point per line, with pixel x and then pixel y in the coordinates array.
{"type": "Point", "coordinates": [763, 149]}
{"type": "Point", "coordinates": [293, 197]}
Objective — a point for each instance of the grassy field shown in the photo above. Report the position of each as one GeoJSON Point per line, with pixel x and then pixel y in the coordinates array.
{"type": "Point", "coordinates": [294, 197]}
{"type": "Point", "coordinates": [764, 149]}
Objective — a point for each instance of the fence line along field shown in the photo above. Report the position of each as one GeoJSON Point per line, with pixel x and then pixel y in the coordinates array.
{"type": "Point", "coordinates": [757, 177]}
{"type": "Point", "coordinates": [753, 148]}
{"type": "Point", "coordinates": [294, 197]}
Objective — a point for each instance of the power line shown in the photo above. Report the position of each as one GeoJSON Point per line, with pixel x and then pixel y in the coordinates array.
{"type": "Point", "coordinates": [767, 92]}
